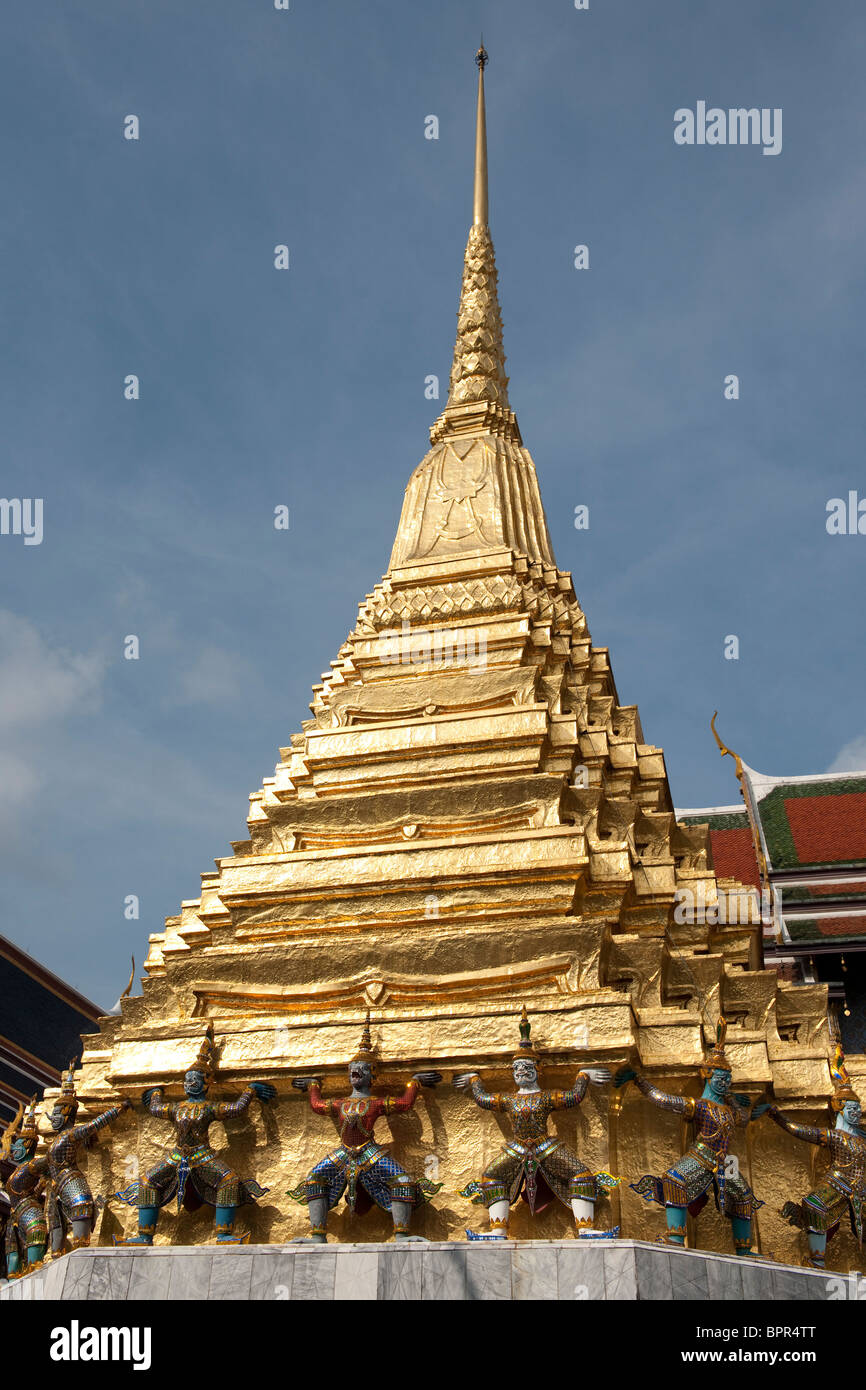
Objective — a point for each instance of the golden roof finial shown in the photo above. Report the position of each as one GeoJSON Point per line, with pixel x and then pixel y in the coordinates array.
{"type": "Point", "coordinates": [126, 992]}
{"type": "Point", "coordinates": [478, 372]}
{"type": "Point", "coordinates": [757, 843]}
{"type": "Point", "coordinates": [479, 213]}
{"type": "Point", "coordinates": [366, 1052]}
{"type": "Point", "coordinates": [842, 1089]}
{"type": "Point", "coordinates": [525, 1049]}
{"type": "Point", "coordinates": [205, 1062]}
{"type": "Point", "coordinates": [10, 1133]}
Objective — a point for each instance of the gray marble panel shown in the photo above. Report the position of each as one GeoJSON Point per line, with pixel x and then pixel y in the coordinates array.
{"type": "Point", "coordinates": [110, 1278]}
{"type": "Point", "coordinates": [580, 1271]}
{"type": "Point", "coordinates": [315, 1273]}
{"type": "Point", "coordinates": [357, 1274]}
{"type": "Point", "coordinates": [534, 1273]}
{"type": "Point", "coordinates": [488, 1272]}
{"type": "Point", "coordinates": [52, 1281]}
{"type": "Point", "coordinates": [620, 1281]}
{"type": "Point", "coordinates": [819, 1291]}
{"type": "Point", "coordinates": [757, 1280]}
{"type": "Point", "coordinates": [724, 1281]}
{"type": "Point", "coordinates": [189, 1276]}
{"type": "Point", "coordinates": [444, 1274]}
{"type": "Point", "coordinates": [272, 1275]}
{"type": "Point", "coordinates": [789, 1284]}
{"type": "Point", "coordinates": [77, 1271]}
{"type": "Point", "coordinates": [150, 1276]}
{"type": "Point", "coordinates": [230, 1276]}
{"type": "Point", "coordinates": [400, 1274]}
{"type": "Point", "coordinates": [689, 1276]}
{"type": "Point", "coordinates": [653, 1270]}
{"type": "Point", "coordinates": [99, 1288]}
{"type": "Point", "coordinates": [33, 1286]}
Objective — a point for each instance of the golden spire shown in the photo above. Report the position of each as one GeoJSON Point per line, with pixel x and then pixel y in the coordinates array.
{"type": "Point", "coordinates": [478, 373]}
{"type": "Point", "coordinates": [480, 203]}
{"type": "Point", "coordinates": [476, 490]}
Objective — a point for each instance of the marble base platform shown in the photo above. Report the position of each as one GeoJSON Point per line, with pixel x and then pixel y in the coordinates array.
{"type": "Point", "coordinates": [540, 1270]}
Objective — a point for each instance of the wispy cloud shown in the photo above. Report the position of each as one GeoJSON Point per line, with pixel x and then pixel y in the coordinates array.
{"type": "Point", "coordinates": [41, 682]}
{"type": "Point", "coordinates": [851, 757]}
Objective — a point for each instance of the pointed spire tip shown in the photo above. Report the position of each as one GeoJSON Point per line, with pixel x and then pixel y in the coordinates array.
{"type": "Point", "coordinates": [479, 211]}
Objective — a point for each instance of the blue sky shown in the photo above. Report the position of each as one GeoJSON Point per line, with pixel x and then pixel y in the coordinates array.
{"type": "Point", "coordinates": [306, 388]}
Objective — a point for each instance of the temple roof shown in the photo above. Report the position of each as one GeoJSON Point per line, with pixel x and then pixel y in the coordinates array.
{"type": "Point", "coordinates": [41, 1027]}
{"type": "Point", "coordinates": [813, 832]}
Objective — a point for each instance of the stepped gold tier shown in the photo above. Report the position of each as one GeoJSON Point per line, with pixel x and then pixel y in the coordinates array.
{"type": "Point", "coordinates": [470, 821]}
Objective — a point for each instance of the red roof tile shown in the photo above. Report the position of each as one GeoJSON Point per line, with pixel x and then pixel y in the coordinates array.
{"type": "Point", "coordinates": [828, 829]}
{"type": "Point", "coordinates": [812, 928]}
{"type": "Point", "coordinates": [734, 855]}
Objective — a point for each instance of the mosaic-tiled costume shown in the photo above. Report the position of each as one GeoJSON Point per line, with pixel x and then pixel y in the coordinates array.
{"type": "Point", "coordinates": [533, 1162]}
{"type": "Point", "coordinates": [192, 1172]}
{"type": "Point", "coordinates": [70, 1200]}
{"type": "Point", "coordinates": [26, 1228]}
{"type": "Point", "coordinates": [703, 1168]}
{"type": "Point", "coordinates": [4, 1225]}
{"type": "Point", "coordinates": [844, 1188]}
{"type": "Point", "coordinates": [360, 1167]}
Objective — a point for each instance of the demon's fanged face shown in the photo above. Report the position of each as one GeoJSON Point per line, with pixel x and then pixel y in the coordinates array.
{"type": "Point", "coordinates": [720, 1081]}
{"type": "Point", "coordinates": [360, 1076]}
{"type": "Point", "coordinates": [525, 1073]}
{"type": "Point", "coordinates": [62, 1115]}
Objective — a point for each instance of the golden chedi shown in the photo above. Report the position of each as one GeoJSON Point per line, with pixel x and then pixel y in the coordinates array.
{"type": "Point", "coordinates": [471, 821]}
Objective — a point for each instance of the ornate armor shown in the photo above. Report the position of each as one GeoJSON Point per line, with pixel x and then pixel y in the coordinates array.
{"type": "Point", "coordinates": [685, 1187]}
{"type": "Point", "coordinates": [26, 1224]}
{"type": "Point", "coordinates": [844, 1187]}
{"type": "Point", "coordinates": [26, 1227]}
{"type": "Point", "coordinates": [533, 1162]}
{"type": "Point", "coordinates": [702, 1167]}
{"type": "Point", "coordinates": [360, 1167]}
{"type": "Point", "coordinates": [543, 1166]}
{"type": "Point", "coordinates": [192, 1171]}
{"type": "Point", "coordinates": [69, 1195]}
